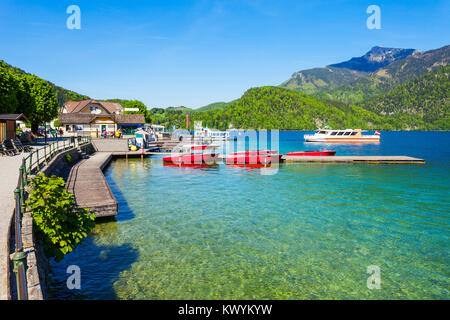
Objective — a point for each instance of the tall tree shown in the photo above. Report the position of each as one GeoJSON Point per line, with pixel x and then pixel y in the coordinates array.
{"type": "Point", "coordinates": [44, 101]}
{"type": "Point", "coordinates": [8, 90]}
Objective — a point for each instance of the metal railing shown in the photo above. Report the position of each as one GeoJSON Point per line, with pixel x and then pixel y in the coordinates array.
{"type": "Point", "coordinates": [33, 164]}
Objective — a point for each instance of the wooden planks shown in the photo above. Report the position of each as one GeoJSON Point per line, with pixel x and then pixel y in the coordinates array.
{"type": "Point", "coordinates": [87, 182]}
{"type": "Point", "coordinates": [353, 159]}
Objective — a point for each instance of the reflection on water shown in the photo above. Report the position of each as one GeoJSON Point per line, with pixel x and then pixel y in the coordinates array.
{"type": "Point", "coordinates": [308, 232]}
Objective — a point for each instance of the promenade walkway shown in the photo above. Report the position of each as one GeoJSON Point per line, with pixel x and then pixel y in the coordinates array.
{"type": "Point", "coordinates": [9, 174]}
{"type": "Point", "coordinates": [87, 182]}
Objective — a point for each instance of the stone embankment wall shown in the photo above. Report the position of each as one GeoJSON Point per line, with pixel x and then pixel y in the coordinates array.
{"type": "Point", "coordinates": [37, 262]}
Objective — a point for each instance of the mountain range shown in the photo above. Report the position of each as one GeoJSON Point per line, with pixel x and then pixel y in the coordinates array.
{"type": "Point", "coordinates": [384, 79]}
{"type": "Point", "coordinates": [315, 80]}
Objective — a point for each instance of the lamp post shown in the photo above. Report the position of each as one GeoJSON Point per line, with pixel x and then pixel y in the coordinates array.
{"type": "Point", "coordinates": [45, 123]}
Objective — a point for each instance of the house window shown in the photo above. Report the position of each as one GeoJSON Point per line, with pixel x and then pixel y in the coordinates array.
{"type": "Point", "coordinates": [90, 108]}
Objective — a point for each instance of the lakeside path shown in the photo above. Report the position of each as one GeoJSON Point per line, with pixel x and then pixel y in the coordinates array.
{"type": "Point", "coordinates": [87, 182]}
{"type": "Point", "coordinates": [9, 174]}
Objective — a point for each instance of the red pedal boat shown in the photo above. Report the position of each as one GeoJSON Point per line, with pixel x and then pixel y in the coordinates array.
{"type": "Point", "coordinates": [312, 153]}
{"type": "Point", "coordinates": [253, 157]}
{"type": "Point", "coordinates": [193, 155]}
{"type": "Point", "coordinates": [254, 152]}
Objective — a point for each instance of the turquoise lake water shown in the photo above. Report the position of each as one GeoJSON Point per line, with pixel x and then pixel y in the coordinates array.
{"type": "Point", "coordinates": [309, 231]}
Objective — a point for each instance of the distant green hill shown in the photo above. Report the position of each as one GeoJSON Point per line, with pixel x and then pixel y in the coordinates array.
{"type": "Point", "coordinates": [319, 79]}
{"type": "Point", "coordinates": [62, 95]}
{"type": "Point", "coordinates": [277, 108]}
{"type": "Point", "coordinates": [388, 78]}
{"type": "Point", "coordinates": [423, 103]}
{"type": "Point", "coordinates": [213, 106]}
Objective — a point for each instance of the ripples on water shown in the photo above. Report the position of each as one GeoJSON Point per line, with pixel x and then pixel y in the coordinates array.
{"type": "Point", "coordinates": [308, 232]}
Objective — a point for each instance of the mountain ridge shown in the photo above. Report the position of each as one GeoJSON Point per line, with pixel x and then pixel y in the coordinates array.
{"type": "Point", "coordinates": [387, 78]}
{"type": "Point", "coordinates": [311, 81]}
{"type": "Point", "coordinates": [376, 58]}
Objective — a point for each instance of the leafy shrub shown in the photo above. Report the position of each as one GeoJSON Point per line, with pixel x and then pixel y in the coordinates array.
{"type": "Point", "coordinates": [58, 221]}
{"type": "Point", "coordinates": [68, 158]}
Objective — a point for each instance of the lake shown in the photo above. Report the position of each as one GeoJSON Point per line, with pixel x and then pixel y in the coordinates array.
{"type": "Point", "coordinates": [309, 231]}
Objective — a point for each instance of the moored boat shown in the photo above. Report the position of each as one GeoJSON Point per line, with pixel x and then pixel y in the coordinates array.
{"type": "Point", "coordinates": [254, 152]}
{"type": "Point", "coordinates": [342, 136]}
{"type": "Point", "coordinates": [193, 154]}
{"type": "Point", "coordinates": [312, 153]}
{"type": "Point", "coordinates": [212, 134]}
{"type": "Point", "coordinates": [187, 159]}
{"type": "Point", "coordinates": [253, 157]}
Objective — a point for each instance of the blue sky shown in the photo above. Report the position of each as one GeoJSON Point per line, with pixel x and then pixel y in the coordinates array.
{"type": "Point", "coordinates": [191, 53]}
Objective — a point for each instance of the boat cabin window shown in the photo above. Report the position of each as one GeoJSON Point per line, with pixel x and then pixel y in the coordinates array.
{"type": "Point", "coordinates": [334, 133]}
{"type": "Point", "coordinates": [347, 133]}
{"type": "Point", "coordinates": [322, 132]}
{"type": "Point", "coordinates": [340, 133]}
{"type": "Point", "coordinates": [354, 133]}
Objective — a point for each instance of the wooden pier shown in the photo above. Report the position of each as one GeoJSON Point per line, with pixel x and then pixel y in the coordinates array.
{"type": "Point", "coordinates": [87, 182]}
{"type": "Point", "coordinates": [353, 159]}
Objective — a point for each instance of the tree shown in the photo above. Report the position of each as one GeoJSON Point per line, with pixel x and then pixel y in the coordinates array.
{"type": "Point", "coordinates": [8, 90]}
{"type": "Point", "coordinates": [44, 102]}
{"type": "Point", "coordinates": [139, 105]}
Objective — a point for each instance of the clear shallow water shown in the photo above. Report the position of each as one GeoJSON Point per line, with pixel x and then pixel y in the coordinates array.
{"type": "Point", "coordinates": [307, 232]}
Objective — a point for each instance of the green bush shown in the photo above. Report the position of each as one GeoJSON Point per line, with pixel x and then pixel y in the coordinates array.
{"type": "Point", "coordinates": [57, 220]}
{"type": "Point", "coordinates": [68, 158]}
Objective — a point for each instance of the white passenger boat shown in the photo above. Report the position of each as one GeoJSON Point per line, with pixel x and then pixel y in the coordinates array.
{"type": "Point", "coordinates": [211, 134]}
{"type": "Point", "coordinates": [342, 136]}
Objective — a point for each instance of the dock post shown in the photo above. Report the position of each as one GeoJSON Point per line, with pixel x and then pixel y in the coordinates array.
{"type": "Point", "coordinates": [37, 159]}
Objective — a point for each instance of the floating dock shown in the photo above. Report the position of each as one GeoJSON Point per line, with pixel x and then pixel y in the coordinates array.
{"type": "Point", "coordinates": [87, 182]}
{"type": "Point", "coordinates": [353, 159]}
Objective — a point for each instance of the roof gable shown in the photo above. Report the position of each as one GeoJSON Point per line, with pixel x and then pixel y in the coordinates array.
{"type": "Point", "coordinates": [77, 106]}
{"type": "Point", "coordinates": [86, 118]}
{"type": "Point", "coordinates": [13, 116]}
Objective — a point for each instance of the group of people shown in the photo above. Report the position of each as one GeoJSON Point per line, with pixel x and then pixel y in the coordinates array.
{"type": "Point", "coordinates": [117, 134]}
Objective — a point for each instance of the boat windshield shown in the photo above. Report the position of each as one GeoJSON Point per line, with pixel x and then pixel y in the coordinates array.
{"type": "Point", "coordinates": [334, 133]}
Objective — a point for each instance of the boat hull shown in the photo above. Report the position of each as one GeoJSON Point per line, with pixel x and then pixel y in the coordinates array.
{"type": "Point", "coordinates": [343, 140]}
{"type": "Point", "coordinates": [192, 159]}
{"type": "Point", "coordinates": [253, 159]}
